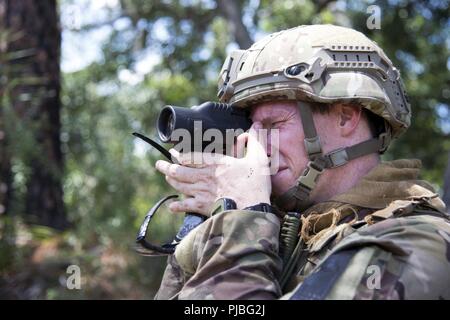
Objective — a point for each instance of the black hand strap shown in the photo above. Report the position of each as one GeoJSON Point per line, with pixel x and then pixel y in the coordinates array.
{"type": "Point", "coordinates": [155, 144]}
{"type": "Point", "coordinates": [191, 219]}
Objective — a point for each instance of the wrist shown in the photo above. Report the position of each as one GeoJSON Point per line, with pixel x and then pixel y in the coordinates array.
{"type": "Point", "coordinates": [222, 204]}
{"type": "Point", "coordinates": [248, 203]}
{"type": "Point", "coordinates": [226, 203]}
{"type": "Point", "coordinates": [262, 207]}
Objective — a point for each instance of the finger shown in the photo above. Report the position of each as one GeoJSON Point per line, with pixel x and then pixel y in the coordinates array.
{"type": "Point", "coordinates": [162, 166]}
{"type": "Point", "coordinates": [188, 159]}
{"type": "Point", "coordinates": [257, 141]}
{"type": "Point", "coordinates": [239, 146]}
{"type": "Point", "coordinates": [198, 160]}
{"type": "Point", "coordinates": [175, 156]}
{"type": "Point", "coordinates": [189, 189]}
{"type": "Point", "coordinates": [180, 173]}
{"type": "Point", "coordinates": [189, 205]}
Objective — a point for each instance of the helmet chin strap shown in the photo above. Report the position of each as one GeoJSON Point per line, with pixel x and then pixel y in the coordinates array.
{"type": "Point", "coordinates": [298, 198]}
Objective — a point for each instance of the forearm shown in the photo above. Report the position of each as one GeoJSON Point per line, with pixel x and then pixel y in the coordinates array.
{"type": "Point", "coordinates": [172, 281]}
{"type": "Point", "coordinates": [234, 256]}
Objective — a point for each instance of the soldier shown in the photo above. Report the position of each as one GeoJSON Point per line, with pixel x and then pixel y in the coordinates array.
{"type": "Point", "coordinates": [334, 222]}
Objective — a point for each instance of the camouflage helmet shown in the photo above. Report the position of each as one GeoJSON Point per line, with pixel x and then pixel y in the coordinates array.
{"type": "Point", "coordinates": [321, 63]}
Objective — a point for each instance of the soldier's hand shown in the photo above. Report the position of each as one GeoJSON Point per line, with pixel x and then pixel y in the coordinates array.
{"type": "Point", "coordinates": [203, 178]}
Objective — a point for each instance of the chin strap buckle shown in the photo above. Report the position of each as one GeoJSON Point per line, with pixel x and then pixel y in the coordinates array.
{"type": "Point", "coordinates": [385, 139]}
{"type": "Point", "coordinates": [309, 177]}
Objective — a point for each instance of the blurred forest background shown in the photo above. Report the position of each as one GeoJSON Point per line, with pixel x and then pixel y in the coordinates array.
{"type": "Point", "coordinates": [77, 77]}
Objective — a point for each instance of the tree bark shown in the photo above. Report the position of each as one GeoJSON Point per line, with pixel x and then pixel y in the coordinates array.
{"type": "Point", "coordinates": [446, 196]}
{"type": "Point", "coordinates": [5, 169]}
{"type": "Point", "coordinates": [232, 12]}
{"type": "Point", "coordinates": [5, 156]}
{"type": "Point", "coordinates": [35, 99]}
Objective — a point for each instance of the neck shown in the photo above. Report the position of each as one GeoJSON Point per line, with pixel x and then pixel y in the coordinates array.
{"type": "Point", "coordinates": [339, 180]}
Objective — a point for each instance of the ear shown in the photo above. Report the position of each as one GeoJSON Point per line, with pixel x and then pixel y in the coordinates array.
{"type": "Point", "coordinates": [348, 117]}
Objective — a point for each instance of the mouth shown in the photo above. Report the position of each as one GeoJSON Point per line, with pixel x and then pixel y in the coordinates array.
{"type": "Point", "coordinates": [281, 169]}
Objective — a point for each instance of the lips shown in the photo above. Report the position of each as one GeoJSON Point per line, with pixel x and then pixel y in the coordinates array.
{"type": "Point", "coordinates": [281, 169]}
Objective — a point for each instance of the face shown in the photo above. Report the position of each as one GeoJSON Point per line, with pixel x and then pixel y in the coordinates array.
{"type": "Point", "coordinates": [291, 158]}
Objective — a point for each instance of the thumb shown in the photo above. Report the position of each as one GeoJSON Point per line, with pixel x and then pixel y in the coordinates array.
{"type": "Point", "coordinates": [239, 146]}
{"type": "Point", "coordinates": [257, 141]}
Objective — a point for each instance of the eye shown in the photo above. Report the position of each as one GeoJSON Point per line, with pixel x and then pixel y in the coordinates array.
{"type": "Point", "coordinates": [277, 124]}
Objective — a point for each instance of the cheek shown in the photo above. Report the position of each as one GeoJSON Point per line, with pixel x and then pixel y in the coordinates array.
{"type": "Point", "coordinates": [328, 132]}
{"type": "Point", "coordinates": [291, 147]}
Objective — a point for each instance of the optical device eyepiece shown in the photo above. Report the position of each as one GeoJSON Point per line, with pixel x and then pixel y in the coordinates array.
{"type": "Point", "coordinates": [166, 124]}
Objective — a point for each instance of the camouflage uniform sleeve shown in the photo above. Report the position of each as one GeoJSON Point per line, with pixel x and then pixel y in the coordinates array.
{"type": "Point", "coordinates": [407, 258]}
{"type": "Point", "coordinates": [233, 255]}
{"type": "Point", "coordinates": [172, 281]}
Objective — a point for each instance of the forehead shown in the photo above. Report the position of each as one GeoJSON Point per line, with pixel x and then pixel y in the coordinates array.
{"type": "Point", "coordinates": [273, 109]}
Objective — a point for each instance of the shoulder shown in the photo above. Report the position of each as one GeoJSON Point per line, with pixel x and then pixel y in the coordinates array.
{"type": "Point", "coordinates": [409, 234]}
{"type": "Point", "coordinates": [397, 258]}
{"type": "Point", "coordinates": [411, 255]}
{"type": "Point", "coordinates": [401, 235]}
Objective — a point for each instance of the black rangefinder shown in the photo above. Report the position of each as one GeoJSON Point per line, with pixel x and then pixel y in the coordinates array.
{"type": "Point", "coordinates": [195, 121]}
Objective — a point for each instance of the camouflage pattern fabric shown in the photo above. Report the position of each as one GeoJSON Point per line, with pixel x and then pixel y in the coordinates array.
{"type": "Point", "coordinates": [234, 255]}
{"type": "Point", "coordinates": [338, 65]}
{"type": "Point", "coordinates": [403, 252]}
{"type": "Point", "coordinates": [400, 258]}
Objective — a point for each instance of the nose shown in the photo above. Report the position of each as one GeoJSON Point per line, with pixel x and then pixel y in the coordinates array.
{"type": "Point", "coordinates": [273, 140]}
{"type": "Point", "coordinates": [269, 142]}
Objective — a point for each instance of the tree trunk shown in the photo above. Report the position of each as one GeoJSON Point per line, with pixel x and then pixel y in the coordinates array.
{"type": "Point", "coordinates": [5, 169]}
{"type": "Point", "coordinates": [232, 11]}
{"type": "Point", "coordinates": [446, 196]}
{"type": "Point", "coordinates": [5, 156]}
{"type": "Point", "coordinates": [35, 99]}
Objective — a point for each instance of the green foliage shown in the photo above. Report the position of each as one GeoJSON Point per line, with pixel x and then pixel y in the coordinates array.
{"type": "Point", "coordinates": [279, 15]}
{"type": "Point", "coordinates": [415, 36]}
{"type": "Point", "coordinates": [18, 142]}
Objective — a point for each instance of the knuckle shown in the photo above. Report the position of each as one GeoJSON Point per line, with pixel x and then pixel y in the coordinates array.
{"type": "Point", "coordinates": [174, 207]}
{"type": "Point", "coordinates": [208, 180]}
{"type": "Point", "coordinates": [185, 159]}
{"type": "Point", "coordinates": [171, 181]}
{"type": "Point", "coordinates": [203, 188]}
{"type": "Point", "coordinates": [182, 206]}
{"type": "Point", "coordinates": [202, 177]}
{"type": "Point", "coordinates": [173, 170]}
{"type": "Point", "coordinates": [185, 190]}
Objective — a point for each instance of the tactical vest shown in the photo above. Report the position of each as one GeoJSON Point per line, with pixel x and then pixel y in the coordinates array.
{"type": "Point", "coordinates": [318, 235]}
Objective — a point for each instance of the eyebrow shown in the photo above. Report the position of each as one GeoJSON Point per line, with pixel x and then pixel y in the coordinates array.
{"type": "Point", "coordinates": [274, 115]}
